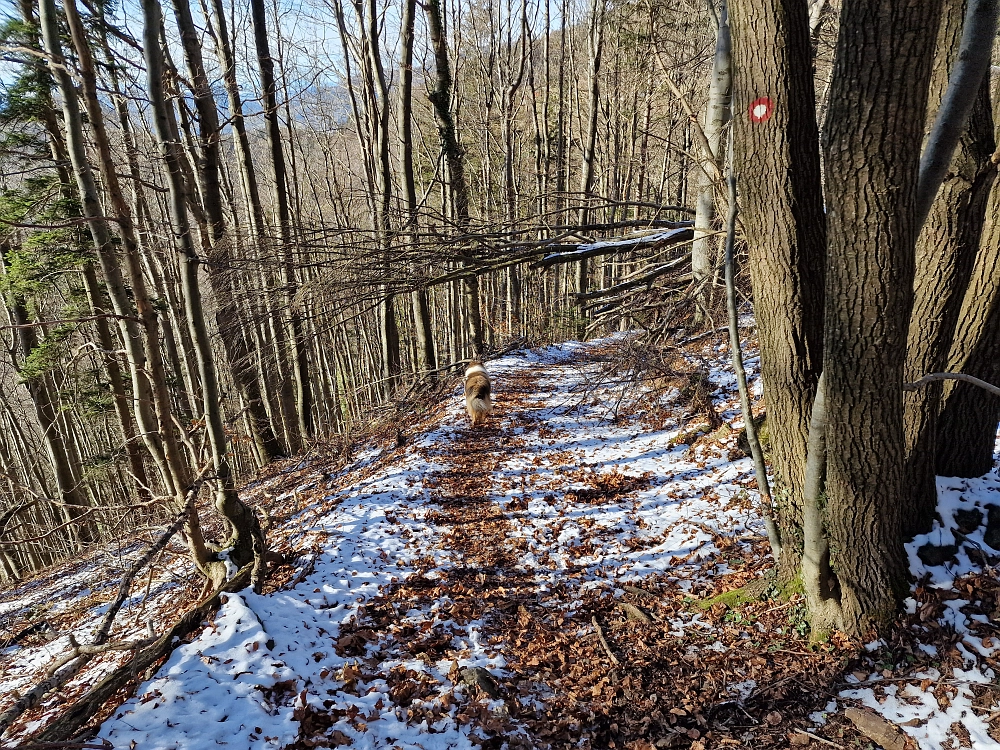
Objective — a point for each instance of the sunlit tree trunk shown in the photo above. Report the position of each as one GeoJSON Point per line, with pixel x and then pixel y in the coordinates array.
{"type": "Point", "coordinates": [878, 90]}
{"type": "Point", "coordinates": [717, 116]}
{"type": "Point", "coordinates": [454, 156]}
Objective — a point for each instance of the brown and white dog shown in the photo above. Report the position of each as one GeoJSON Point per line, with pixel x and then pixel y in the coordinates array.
{"type": "Point", "coordinates": [477, 393]}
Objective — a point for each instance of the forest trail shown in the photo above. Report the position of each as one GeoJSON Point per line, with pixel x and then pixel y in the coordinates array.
{"type": "Point", "coordinates": [531, 583]}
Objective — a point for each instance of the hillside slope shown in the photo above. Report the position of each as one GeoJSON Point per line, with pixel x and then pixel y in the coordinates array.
{"type": "Point", "coordinates": [536, 583]}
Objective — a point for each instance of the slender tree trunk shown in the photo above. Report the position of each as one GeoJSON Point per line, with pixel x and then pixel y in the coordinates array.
{"type": "Point", "coordinates": [122, 406]}
{"type": "Point", "coordinates": [596, 41]}
{"type": "Point", "coordinates": [454, 155]}
{"type": "Point", "coordinates": [66, 472]}
{"type": "Point", "coordinates": [97, 299]}
{"type": "Point", "coordinates": [717, 116]}
{"type": "Point", "coordinates": [418, 298]}
{"type": "Point", "coordinates": [236, 344]}
{"type": "Point", "coordinates": [300, 369]}
{"type": "Point", "coordinates": [148, 383]}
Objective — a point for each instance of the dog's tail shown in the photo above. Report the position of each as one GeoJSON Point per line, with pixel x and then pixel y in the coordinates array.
{"type": "Point", "coordinates": [478, 409]}
{"type": "Point", "coordinates": [481, 405]}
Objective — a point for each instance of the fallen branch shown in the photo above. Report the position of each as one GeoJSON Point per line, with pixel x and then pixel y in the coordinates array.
{"type": "Point", "coordinates": [609, 247]}
{"type": "Point", "coordinates": [820, 739]}
{"type": "Point", "coordinates": [643, 280]}
{"type": "Point", "coordinates": [634, 614]}
{"type": "Point", "coordinates": [76, 716]}
{"type": "Point", "coordinates": [938, 376]}
{"type": "Point", "coordinates": [109, 617]}
{"type": "Point", "coordinates": [604, 642]}
{"type": "Point", "coordinates": [877, 729]}
{"type": "Point", "coordinates": [88, 745]}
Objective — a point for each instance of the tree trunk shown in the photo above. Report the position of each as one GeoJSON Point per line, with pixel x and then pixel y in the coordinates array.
{"type": "Point", "coordinates": [247, 540]}
{"type": "Point", "coordinates": [236, 344]}
{"type": "Point", "coordinates": [418, 298]}
{"type": "Point", "coordinates": [99, 306]}
{"type": "Point", "coordinates": [945, 256]}
{"type": "Point", "coordinates": [65, 471]}
{"type": "Point", "coordinates": [967, 426]}
{"type": "Point", "coordinates": [454, 155]}
{"type": "Point", "coordinates": [717, 116]}
{"type": "Point", "coordinates": [596, 41]}
{"type": "Point", "coordinates": [785, 228]}
{"type": "Point", "coordinates": [300, 369]}
{"type": "Point", "coordinates": [877, 94]}
{"type": "Point", "coordinates": [97, 301]}
{"type": "Point", "coordinates": [145, 364]}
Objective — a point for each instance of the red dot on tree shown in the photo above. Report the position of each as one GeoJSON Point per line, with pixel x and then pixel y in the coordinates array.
{"type": "Point", "coordinates": [761, 109]}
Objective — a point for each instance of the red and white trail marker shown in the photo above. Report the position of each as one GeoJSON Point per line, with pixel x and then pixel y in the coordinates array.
{"type": "Point", "coordinates": [761, 109]}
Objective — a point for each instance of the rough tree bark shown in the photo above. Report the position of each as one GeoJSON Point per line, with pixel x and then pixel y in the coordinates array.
{"type": "Point", "coordinates": [967, 425]}
{"type": "Point", "coordinates": [945, 256]}
{"type": "Point", "coordinates": [785, 228]}
{"type": "Point", "coordinates": [877, 94]}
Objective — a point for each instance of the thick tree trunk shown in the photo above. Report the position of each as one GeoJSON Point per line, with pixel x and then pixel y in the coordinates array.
{"type": "Point", "coordinates": [785, 229]}
{"type": "Point", "coordinates": [967, 426]}
{"type": "Point", "coordinates": [945, 256]}
{"type": "Point", "coordinates": [877, 94]}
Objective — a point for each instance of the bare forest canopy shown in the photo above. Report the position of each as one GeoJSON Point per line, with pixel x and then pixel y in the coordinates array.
{"type": "Point", "coordinates": [233, 234]}
{"type": "Point", "coordinates": [228, 232]}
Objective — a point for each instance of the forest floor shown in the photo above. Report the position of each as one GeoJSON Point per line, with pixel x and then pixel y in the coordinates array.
{"type": "Point", "coordinates": [550, 580]}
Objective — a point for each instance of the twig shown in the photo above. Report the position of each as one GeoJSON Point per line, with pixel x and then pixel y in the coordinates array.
{"type": "Point", "coordinates": [820, 739]}
{"type": "Point", "coordinates": [87, 745]}
{"type": "Point", "coordinates": [604, 642]}
{"type": "Point", "coordinates": [192, 493]}
{"type": "Point", "coordinates": [305, 571]}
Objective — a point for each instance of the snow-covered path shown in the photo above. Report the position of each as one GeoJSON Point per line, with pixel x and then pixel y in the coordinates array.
{"type": "Point", "coordinates": [551, 492]}
{"type": "Point", "coordinates": [535, 583]}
